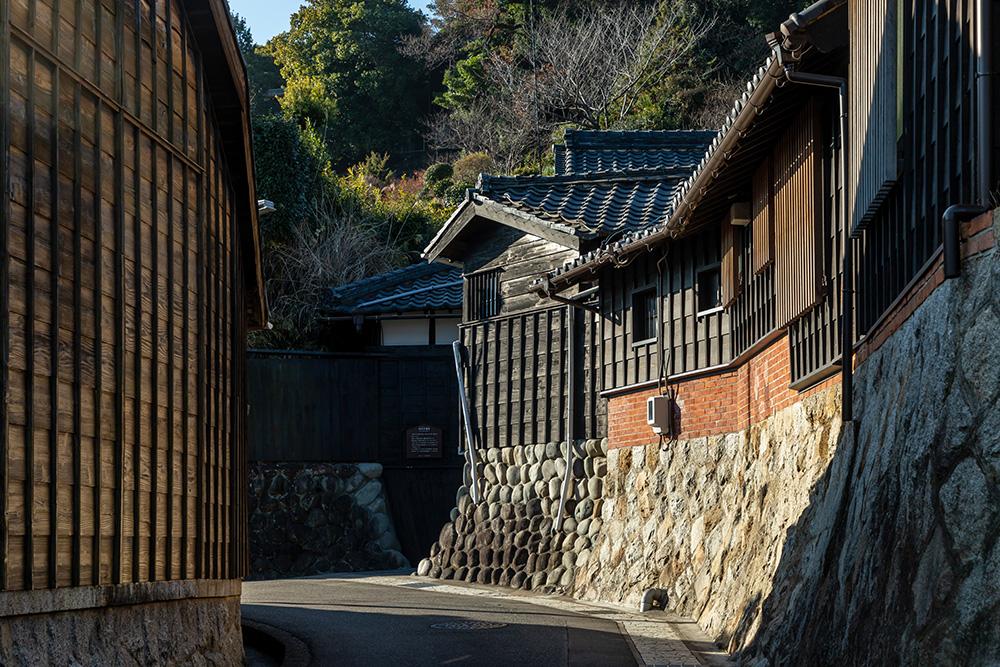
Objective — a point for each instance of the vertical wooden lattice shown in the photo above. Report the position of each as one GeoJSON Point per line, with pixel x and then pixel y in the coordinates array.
{"type": "Point", "coordinates": [732, 282]}
{"type": "Point", "coordinates": [763, 217]}
{"type": "Point", "coordinates": [797, 219]}
{"type": "Point", "coordinates": [872, 87]}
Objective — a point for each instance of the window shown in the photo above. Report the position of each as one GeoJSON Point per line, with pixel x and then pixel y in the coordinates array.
{"type": "Point", "coordinates": [709, 289]}
{"type": "Point", "coordinates": [482, 295]}
{"type": "Point", "coordinates": [644, 315]}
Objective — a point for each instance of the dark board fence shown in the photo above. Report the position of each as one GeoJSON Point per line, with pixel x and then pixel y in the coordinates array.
{"type": "Point", "coordinates": [357, 407]}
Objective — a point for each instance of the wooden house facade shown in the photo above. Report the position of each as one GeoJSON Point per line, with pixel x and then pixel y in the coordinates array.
{"type": "Point", "coordinates": [531, 363]}
{"type": "Point", "coordinates": [129, 275]}
{"type": "Point", "coordinates": [735, 303]}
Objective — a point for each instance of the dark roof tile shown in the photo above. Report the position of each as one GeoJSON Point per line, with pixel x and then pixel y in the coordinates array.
{"type": "Point", "coordinates": [426, 286]}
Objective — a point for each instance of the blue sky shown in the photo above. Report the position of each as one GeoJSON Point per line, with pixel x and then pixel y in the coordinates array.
{"type": "Point", "coordinates": [267, 18]}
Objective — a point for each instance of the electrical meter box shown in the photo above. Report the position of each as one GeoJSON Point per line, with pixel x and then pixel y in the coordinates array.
{"type": "Point", "coordinates": [658, 414]}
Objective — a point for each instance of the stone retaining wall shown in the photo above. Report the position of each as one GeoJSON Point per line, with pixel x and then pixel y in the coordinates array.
{"type": "Point", "coordinates": [706, 519]}
{"type": "Point", "coordinates": [172, 633]}
{"type": "Point", "coordinates": [310, 518]}
{"type": "Point", "coordinates": [798, 542]}
{"type": "Point", "coordinates": [510, 538]}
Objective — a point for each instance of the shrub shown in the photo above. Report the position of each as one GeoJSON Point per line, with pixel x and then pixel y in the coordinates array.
{"type": "Point", "coordinates": [437, 172]}
{"type": "Point", "coordinates": [441, 186]}
{"type": "Point", "coordinates": [468, 168]}
{"type": "Point", "coordinates": [455, 193]}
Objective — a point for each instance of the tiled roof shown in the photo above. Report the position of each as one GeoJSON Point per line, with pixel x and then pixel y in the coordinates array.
{"type": "Point", "coordinates": [599, 204]}
{"type": "Point", "coordinates": [590, 151]}
{"type": "Point", "coordinates": [766, 74]}
{"type": "Point", "coordinates": [425, 286]}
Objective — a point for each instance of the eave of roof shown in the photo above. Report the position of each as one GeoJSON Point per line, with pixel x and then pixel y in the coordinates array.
{"type": "Point", "coordinates": [227, 89]}
{"type": "Point", "coordinates": [739, 123]}
{"type": "Point", "coordinates": [446, 243]}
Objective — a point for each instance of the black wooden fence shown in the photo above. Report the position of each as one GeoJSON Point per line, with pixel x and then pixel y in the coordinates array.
{"type": "Point", "coordinates": [357, 407]}
{"type": "Point", "coordinates": [351, 407]}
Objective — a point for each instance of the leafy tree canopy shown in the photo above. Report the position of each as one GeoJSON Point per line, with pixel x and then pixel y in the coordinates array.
{"type": "Point", "coordinates": [345, 73]}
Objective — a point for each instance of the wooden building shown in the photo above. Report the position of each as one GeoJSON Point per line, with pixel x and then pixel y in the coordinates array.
{"type": "Point", "coordinates": [734, 303]}
{"type": "Point", "coordinates": [130, 275]}
{"type": "Point", "coordinates": [526, 358]}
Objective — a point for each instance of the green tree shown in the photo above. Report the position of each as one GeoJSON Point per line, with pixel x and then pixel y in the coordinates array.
{"type": "Point", "coordinates": [348, 52]}
{"type": "Point", "coordinates": [262, 72]}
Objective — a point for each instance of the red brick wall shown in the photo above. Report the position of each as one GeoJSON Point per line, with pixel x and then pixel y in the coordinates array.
{"type": "Point", "coordinates": [718, 403]}
{"type": "Point", "coordinates": [731, 400]}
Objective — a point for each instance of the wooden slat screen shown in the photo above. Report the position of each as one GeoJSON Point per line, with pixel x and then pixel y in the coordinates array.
{"type": "Point", "coordinates": [517, 378]}
{"type": "Point", "coordinates": [763, 216]}
{"type": "Point", "coordinates": [797, 219]}
{"type": "Point", "coordinates": [814, 340]}
{"type": "Point", "coordinates": [122, 453]}
{"type": "Point", "coordinates": [937, 146]}
{"type": "Point", "coordinates": [732, 280]}
{"type": "Point", "coordinates": [872, 87]}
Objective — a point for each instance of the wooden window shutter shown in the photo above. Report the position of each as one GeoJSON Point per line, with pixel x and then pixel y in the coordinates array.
{"type": "Point", "coordinates": [798, 239]}
{"type": "Point", "coordinates": [871, 116]}
{"type": "Point", "coordinates": [763, 217]}
{"type": "Point", "coordinates": [732, 285]}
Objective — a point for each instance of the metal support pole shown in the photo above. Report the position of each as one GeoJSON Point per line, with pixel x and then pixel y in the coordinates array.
{"type": "Point", "coordinates": [570, 390]}
{"type": "Point", "coordinates": [470, 450]}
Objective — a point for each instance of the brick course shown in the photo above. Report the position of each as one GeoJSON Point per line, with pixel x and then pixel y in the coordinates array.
{"type": "Point", "coordinates": [734, 399]}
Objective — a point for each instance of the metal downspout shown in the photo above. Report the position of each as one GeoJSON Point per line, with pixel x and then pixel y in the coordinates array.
{"type": "Point", "coordinates": [570, 390]}
{"type": "Point", "coordinates": [983, 89]}
{"type": "Point", "coordinates": [847, 302]}
{"type": "Point", "coordinates": [470, 450]}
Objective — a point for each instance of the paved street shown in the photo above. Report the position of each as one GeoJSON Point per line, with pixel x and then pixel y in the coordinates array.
{"type": "Point", "coordinates": [394, 619]}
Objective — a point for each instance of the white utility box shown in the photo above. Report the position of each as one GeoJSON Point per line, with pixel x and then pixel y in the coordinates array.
{"type": "Point", "coordinates": [658, 409]}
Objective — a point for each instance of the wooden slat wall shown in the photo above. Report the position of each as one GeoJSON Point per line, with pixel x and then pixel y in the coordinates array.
{"type": "Point", "coordinates": [872, 104]}
{"type": "Point", "coordinates": [307, 407]}
{"type": "Point", "coordinates": [122, 448]}
{"type": "Point", "coordinates": [814, 340]}
{"type": "Point", "coordinates": [937, 147]}
{"type": "Point", "coordinates": [763, 216]}
{"type": "Point", "coordinates": [798, 219]}
{"type": "Point", "coordinates": [753, 314]}
{"type": "Point", "coordinates": [517, 378]}
{"type": "Point", "coordinates": [519, 259]}
{"type": "Point", "coordinates": [690, 342]}
{"type": "Point", "coordinates": [731, 274]}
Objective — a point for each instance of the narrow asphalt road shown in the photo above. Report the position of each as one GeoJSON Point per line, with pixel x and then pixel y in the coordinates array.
{"type": "Point", "coordinates": [345, 622]}
{"type": "Point", "coordinates": [390, 619]}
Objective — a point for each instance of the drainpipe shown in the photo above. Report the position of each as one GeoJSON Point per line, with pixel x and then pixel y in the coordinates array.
{"type": "Point", "coordinates": [847, 303]}
{"type": "Point", "coordinates": [954, 215]}
{"type": "Point", "coordinates": [470, 450]}
{"type": "Point", "coordinates": [984, 83]}
{"type": "Point", "coordinates": [570, 390]}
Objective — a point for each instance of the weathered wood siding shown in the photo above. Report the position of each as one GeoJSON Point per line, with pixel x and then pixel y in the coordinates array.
{"type": "Point", "coordinates": [937, 149]}
{"type": "Point", "coordinates": [517, 377]}
{"type": "Point", "coordinates": [351, 406]}
{"type": "Point", "coordinates": [123, 332]}
{"type": "Point", "coordinates": [689, 341]}
{"type": "Point", "coordinates": [520, 258]}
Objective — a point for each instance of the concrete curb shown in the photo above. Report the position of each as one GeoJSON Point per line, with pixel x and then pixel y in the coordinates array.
{"type": "Point", "coordinates": [284, 647]}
